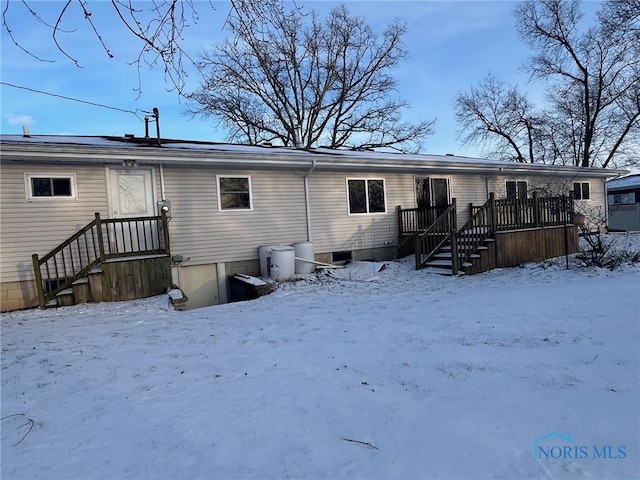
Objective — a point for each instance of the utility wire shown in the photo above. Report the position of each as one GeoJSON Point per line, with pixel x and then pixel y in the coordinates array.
{"type": "Point", "coordinates": [76, 100]}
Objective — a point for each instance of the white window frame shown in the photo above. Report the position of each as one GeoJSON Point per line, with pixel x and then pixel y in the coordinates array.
{"type": "Point", "coordinates": [36, 198]}
{"type": "Point", "coordinates": [581, 199]}
{"type": "Point", "coordinates": [366, 192]}
{"type": "Point", "coordinates": [526, 182]}
{"type": "Point", "coordinates": [220, 209]}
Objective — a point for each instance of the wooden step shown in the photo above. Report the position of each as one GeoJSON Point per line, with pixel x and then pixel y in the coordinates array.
{"type": "Point", "coordinates": [81, 292]}
{"type": "Point", "coordinates": [65, 298]}
{"type": "Point", "coordinates": [95, 284]}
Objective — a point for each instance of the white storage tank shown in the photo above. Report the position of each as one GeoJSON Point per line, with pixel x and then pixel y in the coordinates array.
{"type": "Point", "coordinates": [304, 250]}
{"type": "Point", "coordinates": [283, 264]}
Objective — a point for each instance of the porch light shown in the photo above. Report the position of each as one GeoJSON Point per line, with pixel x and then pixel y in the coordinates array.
{"type": "Point", "coordinates": [128, 163]}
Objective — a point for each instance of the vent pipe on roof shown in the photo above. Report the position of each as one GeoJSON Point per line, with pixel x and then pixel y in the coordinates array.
{"type": "Point", "coordinates": [155, 117]}
{"type": "Point", "coordinates": [297, 137]}
{"type": "Point", "coordinates": [25, 131]}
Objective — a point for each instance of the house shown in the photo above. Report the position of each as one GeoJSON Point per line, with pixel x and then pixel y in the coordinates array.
{"type": "Point", "coordinates": [623, 195]}
{"type": "Point", "coordinates": [218, 203]}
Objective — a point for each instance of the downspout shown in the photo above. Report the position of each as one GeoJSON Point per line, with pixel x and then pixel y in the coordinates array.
{"type": "Point", "coordinates": [306, 198]}
{"type": "Point", "coordinates": [162, 192]}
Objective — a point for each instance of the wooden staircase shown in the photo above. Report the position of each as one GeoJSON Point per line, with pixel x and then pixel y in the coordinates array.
{"type": "Point", "coordinates": [445, 249]}
{"type": "Point", "coordinates": [107, 260]}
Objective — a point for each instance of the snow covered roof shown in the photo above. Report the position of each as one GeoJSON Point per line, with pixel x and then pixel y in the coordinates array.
{"type": "Point", "coordinates": [105, 150]}
{"type": "Point", "coordinates": [624, 183]}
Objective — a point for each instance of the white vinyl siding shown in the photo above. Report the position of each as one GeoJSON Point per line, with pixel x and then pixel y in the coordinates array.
{"type": "Point", "coordinates": [333, 229]}
{"type": "Point", "coordinates": [30, 227]}
{"type": "Point", "coordinates": [202, 233]}
{"type": "Point", "coordinates": [467, 189]}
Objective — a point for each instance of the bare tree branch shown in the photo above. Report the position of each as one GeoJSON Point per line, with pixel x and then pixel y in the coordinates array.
{"type": "Point", "coordinates": [592, 78]}
{"type": "Point", "coordinates": [288, 69]}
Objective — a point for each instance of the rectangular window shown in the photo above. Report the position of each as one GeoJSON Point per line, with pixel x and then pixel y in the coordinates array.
{"type": "Point", "coordinates": [43, 186]}
{"type": "Point", "coordinates": [234, 193]}
{"type": "Point", "coordinates": [516, 189]}
{"type": "Point", "coordinates": [366, 196]}
{"type": "Point", "coordinates": [581, 191]}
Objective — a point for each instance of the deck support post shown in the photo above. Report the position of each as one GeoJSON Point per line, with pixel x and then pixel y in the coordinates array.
{"type": "Point", "coordinates": [494, 213]}
{"type": "Point", "coordinates": [38, 275]}
{"type": "Point", "coordinates": [100, 239]}
{"type": "Point", "coordinates": [454, 252]}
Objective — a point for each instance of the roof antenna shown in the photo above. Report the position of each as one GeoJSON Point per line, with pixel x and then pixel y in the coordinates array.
{"type": "Point", "coordinates": [152, 118]}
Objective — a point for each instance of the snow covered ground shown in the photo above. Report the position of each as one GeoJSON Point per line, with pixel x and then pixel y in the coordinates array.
{"type": "Point", "coordinates": [528, 372]}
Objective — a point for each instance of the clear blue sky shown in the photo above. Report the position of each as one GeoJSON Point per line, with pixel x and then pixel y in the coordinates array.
{"type": "Point", "coordinates": [452, 45]}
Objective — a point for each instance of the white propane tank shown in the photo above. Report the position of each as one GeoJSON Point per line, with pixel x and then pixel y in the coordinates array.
{"type": "Point", "coordinates": [283, 265]}
{"type": "Point", "coordinates": [304, 250]}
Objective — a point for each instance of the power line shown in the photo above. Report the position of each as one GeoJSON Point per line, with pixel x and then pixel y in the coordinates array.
{"type": "Point", "coordinates": [76, 100]}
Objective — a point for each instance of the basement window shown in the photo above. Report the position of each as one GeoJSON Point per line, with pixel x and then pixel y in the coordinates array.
{"type": "Point", "coordinates": [44, 186]}
{"type": "Point", "coordinates": [581, 191]}
{"type": "Point", "coordinates": [516, 189]}
{"type": "Point", "coordinates": [366, 196]}
{"type": "Point", "coordinates": [234, 193]}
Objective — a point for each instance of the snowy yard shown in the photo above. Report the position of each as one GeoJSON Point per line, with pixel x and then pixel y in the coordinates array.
{"type": "Point", "coordinates": [518, 373]}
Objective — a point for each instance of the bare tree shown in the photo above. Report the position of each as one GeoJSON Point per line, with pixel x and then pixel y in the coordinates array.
{"type": "Point", "coordinates": [286, 71]}
{"type": "Point", "coordinates": [155, 27]}
{"type": "Point", "coordinates": [499, 116]}
{"type": "Point", "coordinates": [592, 79]}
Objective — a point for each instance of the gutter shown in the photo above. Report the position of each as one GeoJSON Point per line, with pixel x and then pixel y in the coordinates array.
{"type": "Point", "coordinates": [342, 162]}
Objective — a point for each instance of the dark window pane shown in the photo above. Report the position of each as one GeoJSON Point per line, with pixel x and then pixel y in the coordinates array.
{"type": "Point", "coordinates": [357, 196]}
{"type": "Point", "coordinates": [234, 185]}
{"type": "Point", "coordinates": [376, 195]}
{"type": "Point", "coordinates": [440, 192]}
{"type": "Point", "coordinates": [61, 187]}
{"type": "Point", "coordinates": [511, 190]}
{"type": "Point", "coordinates": [422, 192]}
{"type": "Point", "coordinates": [577, 191]}
{"type": "Point", "coordinates": [234, 193]}
{"type": "Point", "coordinates": [235, 200]}
{"type": "Point", "coordinates": [522, 189]}
{"type": "Point", "coordinates": [41, 187]}
{"type": "Point", "coordinates": [585, 191]}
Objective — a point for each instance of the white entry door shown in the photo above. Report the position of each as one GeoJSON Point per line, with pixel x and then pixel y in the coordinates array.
{"type": "Point", "coordinates": [131, 195]}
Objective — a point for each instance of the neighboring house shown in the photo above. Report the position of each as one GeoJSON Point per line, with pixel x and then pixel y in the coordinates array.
{"type": "Point", "coordinates": [623, 196]}
{"type": "Point", "coordinates": [225, 201]}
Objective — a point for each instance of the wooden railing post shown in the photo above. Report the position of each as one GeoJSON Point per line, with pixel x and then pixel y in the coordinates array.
{"type": "Point", "coordinates": [38, 275]}
{"type": "Point", "coordinates": [100, 240]}
{"type": "Point", "coordinates": [536, 210]}
{"type": "Point", "coordinates": [454, 252]}
{"type": "Point", "coordinates": [493, 213]}
{"type": "Point", "coordinates": [418, 250]}
{"type": "Point", "coordinates": [400, 225]}
{"type": "Point", "coordinates": [571, 206]}
{"type": "Point", "coordinates": [165, 230]}
{"type": "Point", "coordinates": [454, 224]}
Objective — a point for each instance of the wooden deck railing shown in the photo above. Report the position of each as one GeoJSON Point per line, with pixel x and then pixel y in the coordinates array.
{"type": "Point", "coordinates": [495, 215]}
{"type": "Point", "coordinates": [417, 220]}
{"type": "Point", "coordinates": [435, 236]}
{"type": "Point", "coordinates": [98, 241]}
{"type": "Point", "coordinates": [516, 214]}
